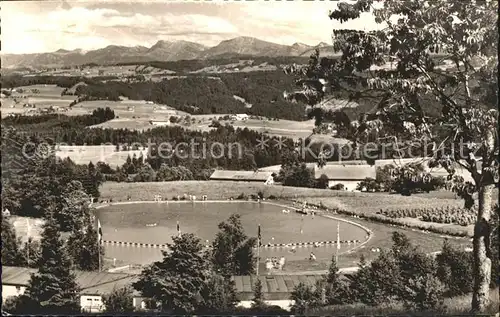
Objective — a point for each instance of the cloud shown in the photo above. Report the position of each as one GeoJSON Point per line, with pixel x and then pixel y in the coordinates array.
{"type": "Point", "coordinates": [80, 27]}
{"type": "Point", "coordinates": [48, 26]}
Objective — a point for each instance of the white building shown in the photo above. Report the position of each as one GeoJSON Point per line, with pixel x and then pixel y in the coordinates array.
{"type": "Point", "coordinates": [348, 175]}
{"type": "Point", "coordinates": [243, 176]}
{"type": "Point", "coordinates": [240, 117]}
{"type": "Point", "coordinates": [159, 123]}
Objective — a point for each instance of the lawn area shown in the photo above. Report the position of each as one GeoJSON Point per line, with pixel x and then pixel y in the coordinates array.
{"type": "Point", "coordinates": [215, 190]}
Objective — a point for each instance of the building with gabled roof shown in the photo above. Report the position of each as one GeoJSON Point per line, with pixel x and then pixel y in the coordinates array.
{"type": "Point", "coordinates": [244, 176]}
{"type": "Point", "coordinates": [348, 175]}
{"type": "Point", "coordinates": [93, 285]}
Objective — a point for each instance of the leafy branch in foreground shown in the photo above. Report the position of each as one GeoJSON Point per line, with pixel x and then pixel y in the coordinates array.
{"type": "Point", "coordinates": [427, 54]}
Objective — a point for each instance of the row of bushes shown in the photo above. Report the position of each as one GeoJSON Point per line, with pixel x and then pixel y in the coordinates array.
{"type": "Point", "coordinates": [399, 222]}
{"type": "Point", "coordinates": [461, 216]}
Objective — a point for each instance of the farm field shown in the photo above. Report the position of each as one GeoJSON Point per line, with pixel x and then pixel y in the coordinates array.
{"type": "Point", "coordinates": [45, 97]}
{"type": "Point", "coordinates": [284, 128]}
{"type": "Point", "coordinates": [130, 109]}
{"type": "Point", "coordinates": [98, 153]}
{"type": "Point", "coordinates": [243, 66]}
{"type": "Point", "coordinates": [119, 71]}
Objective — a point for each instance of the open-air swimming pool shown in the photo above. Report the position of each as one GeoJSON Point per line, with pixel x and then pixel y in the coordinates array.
{"type": "Point", "coordinates": [132, 223]}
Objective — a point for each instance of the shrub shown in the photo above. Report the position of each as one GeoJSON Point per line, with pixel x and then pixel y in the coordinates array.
{"type": "Point", "coordinates": [369, 185]}
{"type": "Point", "coordinates": [338, 187]}
{"type": "Point", "coordinates": [461, 216]}
{"type": "Point", "coordinates": [455, 270]}
{"type": "Point", "coordinates": [304, 297]}
{"type": "Point", "coordinates": [322, 182]}
{"type": "Point", "coordinates": [119, 301]}
{"type": "Point", "coordinates": [242, 196]}
{"type": "Point", "coordinates": [425, 293]}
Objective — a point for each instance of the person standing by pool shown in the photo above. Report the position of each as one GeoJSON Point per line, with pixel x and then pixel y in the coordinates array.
{"type": "Point", "coordinates": [281, 263]}
{"type": "Point", "coordinates": [269, 265]}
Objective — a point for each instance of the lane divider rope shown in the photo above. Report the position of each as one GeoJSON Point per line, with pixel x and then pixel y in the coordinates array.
{"type": "Point", "coordinates": [266, 246]}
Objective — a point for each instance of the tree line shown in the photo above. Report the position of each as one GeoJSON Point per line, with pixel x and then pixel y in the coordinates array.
{"type": "Point", "coordinates": [209, 95]}
{"type": "Point", "coordinates": [14, 81]}
{"type": "Point", "coordinates": [50, 126]}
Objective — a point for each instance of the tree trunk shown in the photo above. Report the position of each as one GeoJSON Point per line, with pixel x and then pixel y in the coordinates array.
{"type": "Point", "coordinates": [482, 261]}
{"type": "Point", "coordinates": [481, 241]}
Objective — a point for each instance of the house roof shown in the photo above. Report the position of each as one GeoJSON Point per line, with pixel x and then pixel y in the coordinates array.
{"type": "Point", "coordinates": [345, 172]}
{"type": "Point", "coordinates": [97, 283]}
{"type": "Point", "coordinates": [241, 175]}
{"type": "Point", "coordinates": [274, 287]}
{"type": "Point", "coordinates": [91, 283]}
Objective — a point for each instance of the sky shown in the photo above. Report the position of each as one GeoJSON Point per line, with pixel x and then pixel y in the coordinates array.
{"type": "Point", "coordinates": [46, 26]}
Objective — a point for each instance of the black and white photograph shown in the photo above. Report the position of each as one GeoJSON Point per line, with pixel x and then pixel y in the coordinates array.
{"type": "Point", "coordinates": [252, 158]}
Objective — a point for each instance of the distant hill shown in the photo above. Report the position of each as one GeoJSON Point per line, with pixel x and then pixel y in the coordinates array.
{"type": "Point", "coordinates": [161, 51]}
{"type": "Point", "coordinates": [174, 51]}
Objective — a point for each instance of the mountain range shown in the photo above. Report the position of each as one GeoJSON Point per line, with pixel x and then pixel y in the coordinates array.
{"type": "Point", "coordinates": [161, 51]}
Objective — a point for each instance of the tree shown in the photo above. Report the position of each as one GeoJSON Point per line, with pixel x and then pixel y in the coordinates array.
{"type": "Point", "coordinates": [145, 174]}
{"type": "Point", "coordinates": [177, 281]}
{"type": "Point", "coordinates": [384, 177]}
{"type": "Point", "coordinates": [450, 108]}
{"type": "Point", "coordinates": [119, 301]}
{"type": "Point", "coordinates": [219, 295]}
{"type": "Point", "coordinates": [334, 288]}
{"type": "Point", "coordinates": [322, 181]}
{"type": "Point", "coordinates": [418, 284]}
{"type": "Point", "coordinates": [297, 175]}
{"type": "Point", "coordinates": [53, 289]}
{"type": "Point", "coordinates": [258, 296]}
{"type": "Point", "coordinates": [304, 299]}
{"type": "Point", "coordinates": [455, 270]}
{"type": "Point", "coordinates": [425, 293]}
{"type": "Point", "coordinates": [84, 249]}
{"type": "Point", "coordinates": [74, 212]}
{"type": "Point", "coordinates": [232, 250]}
{"type": "Point", "coordinates": [31, 253]}
{"type": "Point", "coordinates": [11, 253]}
